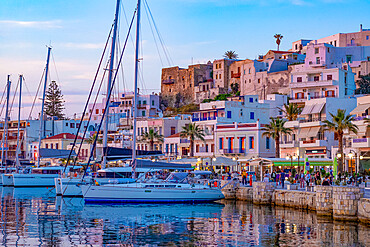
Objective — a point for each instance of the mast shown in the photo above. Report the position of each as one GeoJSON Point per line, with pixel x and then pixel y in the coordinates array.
{"type": "Point", "coordinates": [19, 119]}
{"type": "Point", "coordinates": [5, 133]}
{"type": "Point", "coordinates": [135, 86]}
{"type": "Point", "coordinates": [42, 105]}
{"type": "Point", "coordinates": [109, 86]}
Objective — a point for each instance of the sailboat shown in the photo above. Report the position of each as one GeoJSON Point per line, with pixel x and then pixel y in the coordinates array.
{"type": "Point", "coordinates": [177, 187]}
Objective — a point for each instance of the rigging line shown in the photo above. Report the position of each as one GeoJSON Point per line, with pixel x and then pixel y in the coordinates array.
{"type": "Point", "coordinates": [155, 40]}
{"type": "Point", "coordinates": [122, 71]}
{"type": "Point", "coordinates": [88, 98]}
{"type": "Point", "coordinates": [37, 92]}
{"type": "Point", "coordinates": [110, 91]}
{"type": "Point", "coordinates": [127, 23]}
{"type": "Point", "coordinates": [1, 101]}
{"type": "Point", "coordinates": [15, 92]}
{"type": "Point", "coordinates": [165, 50]}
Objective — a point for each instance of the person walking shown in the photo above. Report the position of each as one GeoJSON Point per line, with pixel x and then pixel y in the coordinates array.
{"type": "Point", "coordinates": [266, 178]}
{"type": "Point", "coordinates": [273, 176]}
{"type": "Point", "coordinates": [244, 177]}
{"type": "Point", "coordinates": [277, 178]}
{"type": "Point", "coordinates": [308, 178]}
{"type": "Point", "coordinates": [282, 179]}
{"type": "Point", "coordinates": [301, 180]}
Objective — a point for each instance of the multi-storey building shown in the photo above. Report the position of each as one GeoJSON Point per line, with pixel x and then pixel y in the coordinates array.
{"type": "Point", "coordinates": [179, 82]}
{"type": "Point", "coordinates": [270, 74]}
{"type": "Point", "coordinates": [309, 138]}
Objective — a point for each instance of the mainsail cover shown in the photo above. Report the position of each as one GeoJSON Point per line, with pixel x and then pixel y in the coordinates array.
{"type": "Point", "coordinates": [46, 153]}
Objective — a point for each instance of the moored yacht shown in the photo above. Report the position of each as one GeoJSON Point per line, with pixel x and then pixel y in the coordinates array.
{"type": "Point", "coordinates": [177, 188]}
{"type": "Point", "coordinates": [3, 172]}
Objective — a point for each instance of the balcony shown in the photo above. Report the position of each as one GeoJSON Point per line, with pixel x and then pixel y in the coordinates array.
{"type": "Point", "coordinates": [184, 141]}
{"type": "Point", "coordinates": [289, 144]}
{"type": "Point", "coordinates": [168, 82]}
{"type": "Point", "coordinates": [361, 142]}
{"type": "Point", "coordinates": [322, 96]}
{"type": "Point", "coordinates": [307, 84]}
{"type": "Point", "coordinates": [233, 151]}
{"type": "Point", "coordinates": [195, 119]}
{"type": "Point", "coordinates": [313, 143]}
{"type": "Point", "coordinates": [141, 106]}
{"type": "Point", "coordinates": [235, 75]}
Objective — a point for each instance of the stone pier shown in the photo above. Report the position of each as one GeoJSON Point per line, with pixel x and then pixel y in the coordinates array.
{"type": "Point", "coordinates": [263, 193]}
{"type": "Point", "coordinates": [295, 199]}
{"type": "Point", "coordinates": [363, 212]}
{"type": "Point", "coordinates": [244, 193]}
{"type": "Point", "coordinates": [324, 200]}
{"type": "Point", "coordinates": [345, 202]}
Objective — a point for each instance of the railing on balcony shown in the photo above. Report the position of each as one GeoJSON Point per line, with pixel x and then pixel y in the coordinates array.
{"type": "Point", "coordinates": [204, 118]}
{"type": "Point", "coordinates": [169, 81]}
{"type": "Point", "coordinates": [233, 151]}
{"type": "Point", "coordinates": [311, 120]}
{"type": "Point", "coordinates": [141, 105]}
{"type": "Point", "coordinates": [309, 141]}
{"type": "Point", "coordinates": [359, 140]}
{"type": "Point", "coordinates": [184, 141]}
{"type": "Point", "coordinates": [322, 96]}
{"type": "Point", "coordinates": [235, 75]}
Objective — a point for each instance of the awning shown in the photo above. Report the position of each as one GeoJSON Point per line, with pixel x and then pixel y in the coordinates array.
{"type": "Point", "coordinates": [307, 109]}
{"type": "Point", "coordinates": [317, 108]}
{"type": "Point", "coordinates": [304, 132]}
{"type": "Point", "coordinates": [46, 153]}
{"type": "Point", "coordinates": [360, 109]}
{"type": "Point", "coordinates": [313, 131]}
{"type": "Point", "coordinates": [362, 130]}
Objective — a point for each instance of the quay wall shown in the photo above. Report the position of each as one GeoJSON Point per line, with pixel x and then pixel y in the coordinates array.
{"type": "Point", "coordinates": [341, 203]}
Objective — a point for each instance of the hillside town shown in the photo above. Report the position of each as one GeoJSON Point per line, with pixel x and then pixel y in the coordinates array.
{"type": "Point", "coordinates": [232, 103]}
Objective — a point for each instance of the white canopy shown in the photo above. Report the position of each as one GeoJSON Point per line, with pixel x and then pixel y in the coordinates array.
{"type": "Point", "coordinates": [360, 109]}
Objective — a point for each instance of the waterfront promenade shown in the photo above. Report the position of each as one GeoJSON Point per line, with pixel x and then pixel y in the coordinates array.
{"type": "Point", "coordinates": [347, 203]}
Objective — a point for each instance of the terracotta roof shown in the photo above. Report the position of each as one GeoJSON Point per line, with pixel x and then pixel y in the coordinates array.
{"type": "Point", "coordinates": [174, 135]}
{"type": "Point", "coordinates": [63, 136]}
{"type": "Point", "coordinates": [282, 51]}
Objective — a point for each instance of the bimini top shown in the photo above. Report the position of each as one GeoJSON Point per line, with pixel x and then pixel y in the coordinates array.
{"type": "Point", "coordinates": [162, 165]}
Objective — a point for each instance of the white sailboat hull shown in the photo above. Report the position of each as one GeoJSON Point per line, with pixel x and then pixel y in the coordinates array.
{"type": "Point", "coordinates": [71, 187]}
{"type": "Point", "coordinates": [34, 180]}
{"type": "Point", "coordinates": [122, 194]}
{"type": "Point", "coordinates": [7, 179]}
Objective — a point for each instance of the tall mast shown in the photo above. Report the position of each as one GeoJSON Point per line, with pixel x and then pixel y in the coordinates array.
{"type": "Point", "coordinates": [42, 105]}
{"type": "Point", "coordinates": [19, 120]}
{"type": "Point", "coordinates": [5, 133]}
{"type": "Point", "coordinates": [136, 81]}
{"type": "Point", "coordinates": [109, 86]}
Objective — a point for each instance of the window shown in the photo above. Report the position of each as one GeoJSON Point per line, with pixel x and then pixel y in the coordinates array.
{"type": "Point", "coordinates": [160, 130]}
{"type": "Point", "coordinates": [221, 143]}
{"type": "Point", "coordinates": [329, 77]}
{"type": "Point", "coordinates": [228, 114]}
{"type": "Point", "coordinates": [316, 50]}
{"type": "Point", "coordinates": [144, 102]}
{"type": "Point", "coordinates": [328, 50]}
{"type": "Point", "coordinates": [251, 115]}
{"type": "Point", "coordinates": [335, 43]}
{"type": "Point", "coordinates": [367, 37]}
{"type": "Point", "coordinates": [51, 146]}
{"type": "Point", "coordinates": [167, 147]}
{"type": "Point", "coordinates": [139, 102]}
{"type": "Point", "coordinates": [72, 125]}
{"type": "Point", "coordinates": [345, 91]}
{"type": "Point", "coordinates": [153, 102]}
{"type": "Point", "coordinates": [349, 58]}
{"type": "Point", "coordinates": [251, 142]}
{"type": "Point", "coordinates": [316, 78]}
{"type": "Point", "coordinates": [46, 145]}
{"type": "Point", "coordinates": [97, 111]}
{"type": "Point", "coordinates": [173, 130]}
{"type": "Point", "coordinates": [197, 148]}
{"type": "Point", "coordinates": [296, 46]}
{"type": "Point", "coordinates": [66, 124]}
{"type": "Point", "coordinates": [259, 80]}
{"type": "Point", "coordinates": [143, 113]}
{"type": "Point", "coordinates": [77, 125]}
{"type": "Point", "coordinates": [299, 79]}
{"type": "Point", "coordinates": [249, 70]}
{"type": "Point", "coordinates": [206, 148]}
{"type": "Point", "coordinates": [251, 100]}
{"type": "Point", "coordinates": [317, 60]}
{"type": "Point", "coordinates": [267, 143]}
{"type": "Point", "coordinates": [251, 80]}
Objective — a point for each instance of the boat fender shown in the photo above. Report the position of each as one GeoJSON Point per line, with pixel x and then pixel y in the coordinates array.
{"type": "Point", "coordinates": [96, 183]}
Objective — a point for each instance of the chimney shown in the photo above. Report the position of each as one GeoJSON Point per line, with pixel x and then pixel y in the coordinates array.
{"type": "Point", "coordinates": [360, 27]}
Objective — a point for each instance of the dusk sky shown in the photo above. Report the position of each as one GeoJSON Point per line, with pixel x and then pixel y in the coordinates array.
{"type": "Point", "coordinates": [193, 30]}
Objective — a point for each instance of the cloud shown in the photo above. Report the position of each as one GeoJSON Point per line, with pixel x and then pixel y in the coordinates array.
{"type": "Point", "coordinates": [32, 24]}
{"type": "Point", "coordinates": [83, 45]}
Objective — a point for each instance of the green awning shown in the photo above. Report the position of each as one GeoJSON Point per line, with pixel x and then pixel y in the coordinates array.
{"type": "Point", "coordinates": [302, 163]}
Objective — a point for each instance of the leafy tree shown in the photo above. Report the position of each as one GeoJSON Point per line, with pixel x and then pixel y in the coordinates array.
{"type": "Point", "coordinates": [152, 136]}
{"type": "Point", "coordinates": [363, 85]}
{"type": "Point", "coordinates": [278, 38]}
{"type": "Point", "coordinates": [234, 88]}
{"type": "Point", "coordinates": [92, 138]}
{"type": "Point", "coordinates": [340, 122]}
{"type": "Point", "coordinates": [231, 55]}
{"type": "Point", "coordinates": [54, 103]}
{"type": "Point", "coordinates": [291, 111]}
{"type": "Point", "coordinates": [222, 97]}
{"type": "Point", "coordinates": [192, 132]}
{"type": "Point", "coordinates": [274, 129]}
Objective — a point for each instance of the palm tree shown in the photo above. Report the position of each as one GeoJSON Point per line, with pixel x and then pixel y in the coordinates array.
{"type": "Point", "coordinates": [291, 111]}
{"type": "Point", "coordinates": [340, 122]}
{"type": "Point", "coordinates": [152, 136]}
{"type": "Point", "coordinates": [92, 138]}
{"type": "Point", "coordinates": [274, 129]}
{"type": "Point", "coordinates": [192, 132]}
{"type": "Point", "coordinates": [278, 38]}
{"type": "Point", "coordinates": [231, 55]}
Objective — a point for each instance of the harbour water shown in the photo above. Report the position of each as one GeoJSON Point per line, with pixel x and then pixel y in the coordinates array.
{"type": "Point", "coordinates": [36, 217]}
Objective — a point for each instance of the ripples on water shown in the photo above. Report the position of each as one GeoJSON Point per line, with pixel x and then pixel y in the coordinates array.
{"type": "Point", "coordinates": [36, 217]}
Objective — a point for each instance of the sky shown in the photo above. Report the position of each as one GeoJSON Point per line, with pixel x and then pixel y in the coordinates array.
{"type": "Point", "coordinates": [192, 31]}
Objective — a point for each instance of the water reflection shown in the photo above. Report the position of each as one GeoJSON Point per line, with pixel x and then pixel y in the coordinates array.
{"type": "Point", "coordinates": [37, 217]}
